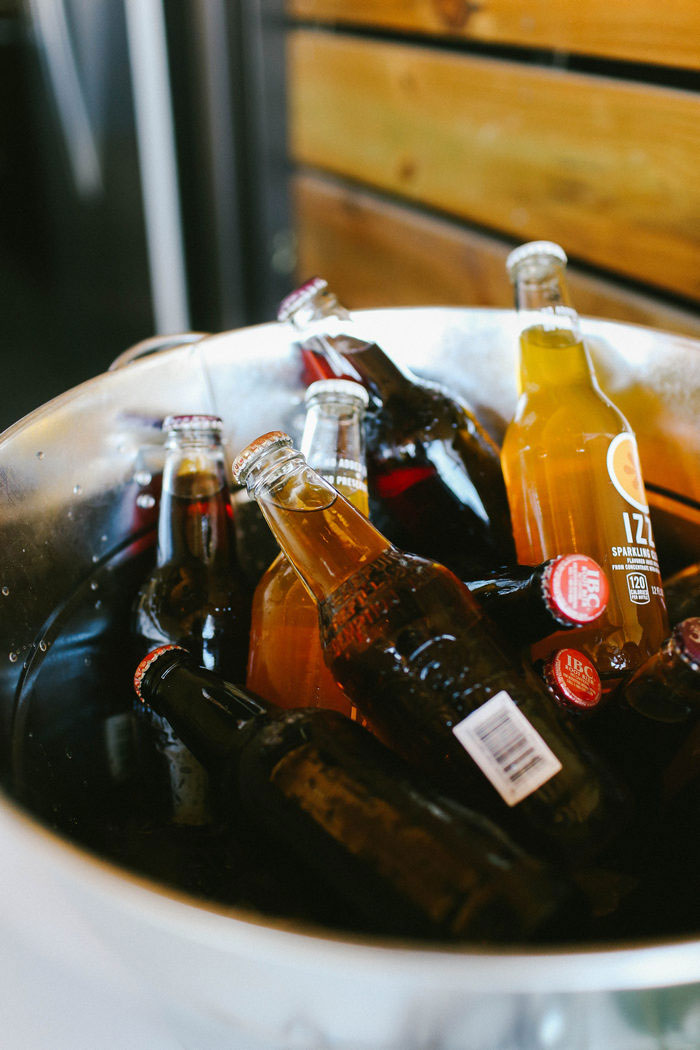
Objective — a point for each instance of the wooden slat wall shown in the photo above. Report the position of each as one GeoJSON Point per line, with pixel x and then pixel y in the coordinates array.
{"type": "Point", "coordinates": [643, 31]}
{"type": "Point", "coordinates": [420, 163]}
{"type": "Point", "coordinates": [608, 167]}
{"type": "Point", "coordinates": [380, 253]}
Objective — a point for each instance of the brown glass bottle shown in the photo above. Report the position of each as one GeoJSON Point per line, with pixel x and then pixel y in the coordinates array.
{"type": "Point", "coordinates": [434, 475]}
{"type": "Point", "coordinates": [646, 722]}
{"type": "Point", "coordinates": [572, 470]}
{"type": "Point", "coordinates": [682, 591]}
{"type": "Point", "coordinates": [403, 858]}
{"type": "Point", "coordinates": [195, 596]}
{"type": "Point", "coordinates": [529, 603]}
{"type": "Point", "coordinates": [410, 646]}
{"type": "Point", "coordinates": [285, 659]}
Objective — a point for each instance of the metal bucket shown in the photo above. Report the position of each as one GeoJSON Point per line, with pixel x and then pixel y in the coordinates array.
{"type": "Point", "coordinates": [97, 957]}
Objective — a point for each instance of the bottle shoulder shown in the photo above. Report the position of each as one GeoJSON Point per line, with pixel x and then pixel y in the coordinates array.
{"type": "Point", "coordinates": [567, 411]}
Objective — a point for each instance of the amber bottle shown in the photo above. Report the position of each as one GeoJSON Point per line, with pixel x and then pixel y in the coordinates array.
{"type": "Point", "coordinates": [285, 660]}
{"type": "Point", "coordinates": [196, 596]}
{"type": "Point", "coordinates": [412, 649]}
{"type": "Point", "coordinates": [428, 459]}
{"type": "Point", "coordinates": [403, 858]}
{"type": "Point", "coordinates": [572, 470]}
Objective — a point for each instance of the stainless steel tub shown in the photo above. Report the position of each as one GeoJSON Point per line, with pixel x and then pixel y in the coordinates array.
{"type": "Point", "coordinates": [96, 957]}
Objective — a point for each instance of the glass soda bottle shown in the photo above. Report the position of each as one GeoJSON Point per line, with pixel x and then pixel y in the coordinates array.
{"type": "Point", "coordinates": [529, 604]}
{"type": "Point", "coordinates": [572, 470]}
{"type": "Point", "coordinates": [646, 722]}
{"type": "Point", "coordinates": [403, 859]}
{"type": "Point", "coordinates": [285, 661]}
{"type": "Point", "coordinates": [195, 596]}
{"type": "Point", "coordinates": [411, 647]}
{"type": "Point", "coordinates": [682, 592]}
{"type": "Point", "coordinates": [429, 460]}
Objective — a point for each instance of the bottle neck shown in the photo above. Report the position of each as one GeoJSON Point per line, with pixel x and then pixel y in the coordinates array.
{"type": "Point", "coordinates": [552, 352]}
{"type": "Point", "coordinates": [333, 445]}
{"type": "Point", "coordinates": [195, 519]}
{"type": "Point", "coordinates": [323, 535]}
{"type": "Point", "coordinates": [326, 328]}
{"type": "Point", "coordinates": [516, 600]}
{"type": "Point", "coordinates": [209, 714]}
{"type": "Point", "coordinates": [567, 591]}
{"type": "Point", "coordinates": [382, 376]}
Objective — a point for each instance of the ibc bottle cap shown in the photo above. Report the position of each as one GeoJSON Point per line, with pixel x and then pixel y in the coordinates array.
{"type": "Point", "coordinates": [530, 251]}
{"type": "Point", "coordinates": [339, 389]}
{"type": "Point", "coordinates": [575, 588]}
{"type": "Point", "coordinates": [300, 296]}
{"type": "Point", "coordinates": [245, 460]}
{"type": "Point", "coordinates": [573, 679]}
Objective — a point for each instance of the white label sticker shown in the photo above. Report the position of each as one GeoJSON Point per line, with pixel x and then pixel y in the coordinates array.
{"type": "Point", "coordinates": [507, 748]}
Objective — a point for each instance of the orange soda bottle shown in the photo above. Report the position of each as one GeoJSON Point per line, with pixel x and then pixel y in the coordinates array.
{"type": "Point", "coordinates": [285, 658]}
{"type": "Point", "coordinates": [572, 471]}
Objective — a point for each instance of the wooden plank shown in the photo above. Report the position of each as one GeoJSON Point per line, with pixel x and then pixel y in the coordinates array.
{"type": "Point", "coordinates": [641, 32]}
{"type": "Point", "coordinates": [378, 253]}
{"type": "Point", "coordinates": [607, 168]}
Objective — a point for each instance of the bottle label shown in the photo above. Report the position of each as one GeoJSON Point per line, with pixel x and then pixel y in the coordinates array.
{"type": "Point", "coordinates": [389, 486]}
{"type": "Point", "coordinates": [625, 471]}
{"type": "Point", "coordinates": [636, 557]}
{"type": "Point", "coordinates": [507, 748]}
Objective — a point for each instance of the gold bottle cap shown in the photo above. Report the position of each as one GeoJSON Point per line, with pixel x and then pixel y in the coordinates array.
{"type": "Point", "coordinates": [244, 461]}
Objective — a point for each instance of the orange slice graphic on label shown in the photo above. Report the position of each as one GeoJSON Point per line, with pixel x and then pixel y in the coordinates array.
{"type": "Point", "coordinates": [625, 472]}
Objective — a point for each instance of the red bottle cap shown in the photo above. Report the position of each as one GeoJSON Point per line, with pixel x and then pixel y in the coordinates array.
{"type": "Point", "coordinates": [193, 421]}
{"type": "Point", "coordinates": [573, 679]}
{"type": "Point", "coordinates": [291, 303]}
{"type": "Point", "coordinates": [686, 636]}
{"type": "Point", "coordinates": [148, 661]}
{"type": "Point", "coordinates": [576, 588]}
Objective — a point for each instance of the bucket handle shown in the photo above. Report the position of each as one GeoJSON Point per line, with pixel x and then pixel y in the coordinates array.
{"type": "Point", "coordinates": [155, 345]}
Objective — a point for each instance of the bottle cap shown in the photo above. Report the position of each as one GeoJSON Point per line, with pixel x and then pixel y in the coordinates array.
{"type": "Point", "coordinates": [686, 638]}
{"type": "Point", "coordinates": [300, 296]}
{"type": "Point", "coordinates": [531, 249]}
{"type": "Point", "coordinates": [339, 389]}
{"type": "Point", "coordinates": [148, 661]}
{"type": "Point", "coordinates": [192, 422]}
{"type": "Point", "coordinates": [245, 460]}
{"type": "Point", "coordinates": [575, 588]}
{"type": "Point", "coordinates": [572, 679]}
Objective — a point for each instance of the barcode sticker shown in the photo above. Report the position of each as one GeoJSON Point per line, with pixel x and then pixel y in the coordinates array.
{"type": "Point", "coordinates": [507, 748]}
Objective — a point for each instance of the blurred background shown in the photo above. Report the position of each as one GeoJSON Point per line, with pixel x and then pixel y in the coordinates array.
{"type": "Point", "coordinates": [168, 165]}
